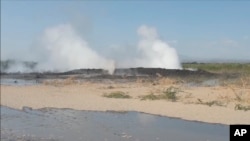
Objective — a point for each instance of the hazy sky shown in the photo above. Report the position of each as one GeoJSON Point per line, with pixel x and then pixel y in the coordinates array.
{"type": "Point", "coordinates": [197, 30]}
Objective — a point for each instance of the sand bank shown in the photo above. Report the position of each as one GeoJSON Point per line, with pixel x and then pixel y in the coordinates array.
{"type": "Point", "coordinates": [207, 104]}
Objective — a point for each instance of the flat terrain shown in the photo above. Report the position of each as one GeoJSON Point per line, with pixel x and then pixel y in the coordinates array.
{"type": "Point", "coordinates": [217, 104]}
{"type": "Point", "coordinates": [192, 95]}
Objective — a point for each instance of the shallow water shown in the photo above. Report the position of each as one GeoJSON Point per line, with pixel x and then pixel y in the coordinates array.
{"type": "Point", "coordinates": [66, 124]}
{"type": "Point", "coordinates": [18, 82]}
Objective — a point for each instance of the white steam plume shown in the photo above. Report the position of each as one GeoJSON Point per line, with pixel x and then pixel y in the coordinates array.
{"type": "Point", "coordinates": [155, 52]}
{"type": "Point", "coordinates": [62, 49]}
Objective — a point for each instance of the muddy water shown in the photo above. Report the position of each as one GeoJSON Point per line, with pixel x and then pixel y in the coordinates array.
{"type": "Point", "coordinates": [50, 124]}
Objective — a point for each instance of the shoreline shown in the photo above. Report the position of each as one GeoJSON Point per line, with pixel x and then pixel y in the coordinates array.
{"type": "Point", "coordinates": [89, 96]}
{"type": "Point", "coordinates": [112, 111]}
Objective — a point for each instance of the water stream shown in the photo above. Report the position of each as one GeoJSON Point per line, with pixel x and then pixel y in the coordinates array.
{"type": "Point", "coordinates": [50, 124]}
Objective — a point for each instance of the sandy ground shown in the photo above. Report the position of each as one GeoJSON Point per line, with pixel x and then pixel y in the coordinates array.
{"type": "Point", "coordinates": [208, 104]}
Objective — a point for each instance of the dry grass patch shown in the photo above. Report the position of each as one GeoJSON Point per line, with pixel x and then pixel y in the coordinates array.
{"type": "Point", "coordinates": [240, 89]}
{"type": "Point", "coordinates": [150, 96]}
{"type": "Point", "coordinates": [167, 94]}
{"type": "Point", "coordinates": [68, 81]}
{"type": "Point", "coordinates": [242, 82]}
{"type": "Point", "coordinates": [211, 103]}
{"type": "Point", "coordinates": [110, 87]}
{"type": "Point", "coordinates": [117, 94]}
{"type": "Point", "coordinates": [241, 107]}
{"type": "Point", "coordinates": [166, 81]}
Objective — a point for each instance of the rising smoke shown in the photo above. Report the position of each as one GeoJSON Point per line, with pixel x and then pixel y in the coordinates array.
{"type": "Point", "coordinates": [60, 48]}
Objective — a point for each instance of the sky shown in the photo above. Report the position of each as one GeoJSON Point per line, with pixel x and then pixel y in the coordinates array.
{"type": "Point", "coordinates": [198, 30]}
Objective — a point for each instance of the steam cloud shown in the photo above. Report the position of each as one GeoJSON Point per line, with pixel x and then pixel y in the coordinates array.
{"type": "Point", "coordinates": [60, 48]}
{"type": "Point", "coordinates": [155, 52]}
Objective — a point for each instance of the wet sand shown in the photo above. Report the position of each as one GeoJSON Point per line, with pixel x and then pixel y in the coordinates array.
{"type": "Point", "coordinates": [192, 103]}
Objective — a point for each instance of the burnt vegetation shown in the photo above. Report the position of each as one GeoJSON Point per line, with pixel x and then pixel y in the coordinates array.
{"type": "Point", "coordinates": [197, 71]}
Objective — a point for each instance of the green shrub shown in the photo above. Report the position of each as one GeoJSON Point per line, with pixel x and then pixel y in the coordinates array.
{"type": "Point", "coordinates": [168, 94]}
